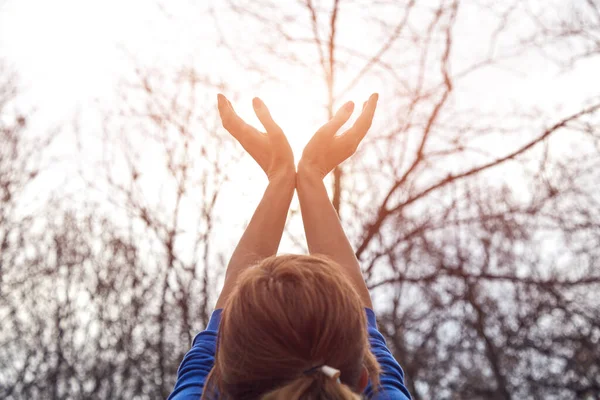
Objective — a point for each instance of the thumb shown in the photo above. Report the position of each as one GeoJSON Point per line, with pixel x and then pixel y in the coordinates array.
{"type": "Point", "coordinates": [335, 123]}
{"type": "Point", "coordinates": [265, 118]}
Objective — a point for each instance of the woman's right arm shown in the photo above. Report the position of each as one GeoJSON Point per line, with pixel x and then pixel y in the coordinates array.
{"type": "Point", "coordinates": [324, 232]}
{"type": "Point", "coordinates": [325, 235]}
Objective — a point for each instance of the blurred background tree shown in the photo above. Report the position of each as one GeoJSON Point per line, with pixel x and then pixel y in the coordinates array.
{"type": "Point", "coordinates": [472, 203]}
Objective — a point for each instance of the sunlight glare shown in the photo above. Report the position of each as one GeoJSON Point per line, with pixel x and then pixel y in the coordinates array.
{"type": "Point", "coordinates": [299, 110]}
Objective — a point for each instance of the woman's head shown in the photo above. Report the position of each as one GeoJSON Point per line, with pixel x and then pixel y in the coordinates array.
{"type": "Point", "coordinates": [287, 315]}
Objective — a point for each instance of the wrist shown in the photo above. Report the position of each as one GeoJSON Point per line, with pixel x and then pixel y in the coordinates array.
{"type": "Point", "coordinates": [308, 172]}
{"type": "Point", "coordinates": [283, 178]}
{"type": "Point", "coordinates": [309, 180]}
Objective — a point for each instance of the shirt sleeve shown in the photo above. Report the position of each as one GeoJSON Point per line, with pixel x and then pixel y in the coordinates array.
{"type": "Point", "coordinates": [197, 362]}
{"type": "Point", "coordinates": [392, 377]}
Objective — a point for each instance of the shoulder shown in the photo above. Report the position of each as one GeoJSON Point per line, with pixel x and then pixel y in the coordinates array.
{"type": "Point", "coordinates": [392, 376]}
{"type": "Point", "coordinates": [197, 362]}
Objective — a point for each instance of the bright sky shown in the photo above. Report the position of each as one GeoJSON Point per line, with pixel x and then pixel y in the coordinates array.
{"type": "Point", "coordinates": [70, 53]}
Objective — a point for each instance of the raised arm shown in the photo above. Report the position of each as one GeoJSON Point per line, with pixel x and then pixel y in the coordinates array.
{"type": "Point", "coordinates": [273, 153]}
{"type": "Point", "coordinates": [322, 226]}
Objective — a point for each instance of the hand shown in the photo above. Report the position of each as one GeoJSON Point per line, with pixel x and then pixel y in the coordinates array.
{"type": "Point", "coordinates": [326, 150]}
{"type": "Point", "coordinates": [270, 150]}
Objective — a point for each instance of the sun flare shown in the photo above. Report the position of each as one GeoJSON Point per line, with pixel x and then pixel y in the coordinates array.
{"type": "Point", "coordinates": [300, 111]}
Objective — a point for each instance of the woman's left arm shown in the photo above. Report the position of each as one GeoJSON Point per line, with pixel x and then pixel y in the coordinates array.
{"type": "Point", "coordinates": [273, 153]}
{"type": "Point", "coordinates": [263, 234]}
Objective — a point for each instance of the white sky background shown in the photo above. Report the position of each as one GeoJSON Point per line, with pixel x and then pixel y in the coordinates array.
{"type": "Point", "coordinates": [70, 55]}
{"type": "Point", "coordinates": [71, 52]}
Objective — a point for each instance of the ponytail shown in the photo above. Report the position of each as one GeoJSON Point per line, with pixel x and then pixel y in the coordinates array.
{"type": "Point", "coordinates": [313, 386]}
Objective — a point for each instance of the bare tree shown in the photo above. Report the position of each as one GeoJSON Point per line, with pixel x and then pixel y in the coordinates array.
{"type": "Point", "coordinates": [103, 293]}
{"type": "Point", "coordinates": [478, 226]}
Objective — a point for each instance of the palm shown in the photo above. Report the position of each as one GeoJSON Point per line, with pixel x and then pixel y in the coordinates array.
{"type": "Point", "coordinates": [269, 149]}
{"type": "Point", "coordinates": [326, 150]}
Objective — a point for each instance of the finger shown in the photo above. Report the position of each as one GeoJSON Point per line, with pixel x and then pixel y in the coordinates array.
{"type": "Point", "coordinates": [360, 128]}
{"type": "Point", "coordinates": [236, 126]}
{"type": "Point", "coordinates": [231, 121]}
{"type": "Point", "coordinates": [274, 131]}
{"type": "Point", "coordinates": [229, 118]}
{"type": "Point", "coordinates": [264, 116]}
{"type": "Point", "coordinates": [335, 123]}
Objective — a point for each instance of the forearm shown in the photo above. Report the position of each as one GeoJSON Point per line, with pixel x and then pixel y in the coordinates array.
{"type": "Point", "coordinates": [262, 236]}
{"type": "Point", "coordinates": [324, 232]}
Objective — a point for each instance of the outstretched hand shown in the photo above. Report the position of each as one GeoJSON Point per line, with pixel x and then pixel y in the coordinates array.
{"type": "Point", "coordinates": [326, 150]}
{"type": "Point", "coordinates": [270, 150]}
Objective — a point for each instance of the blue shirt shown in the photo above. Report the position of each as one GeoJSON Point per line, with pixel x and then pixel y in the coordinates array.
{"type": "Point", "coordinates": [200, 359]}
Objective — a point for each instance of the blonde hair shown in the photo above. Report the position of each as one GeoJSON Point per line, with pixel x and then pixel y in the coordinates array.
{"type": "Point", "coordinates": [287, 315]}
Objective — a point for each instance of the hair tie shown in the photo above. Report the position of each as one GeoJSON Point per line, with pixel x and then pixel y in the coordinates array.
{"type": "Point", "coordinates": [326, 370]}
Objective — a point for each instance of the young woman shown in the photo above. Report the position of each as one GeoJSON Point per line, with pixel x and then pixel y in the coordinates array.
{"type": "Point", "coordinates": [293, 327]}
